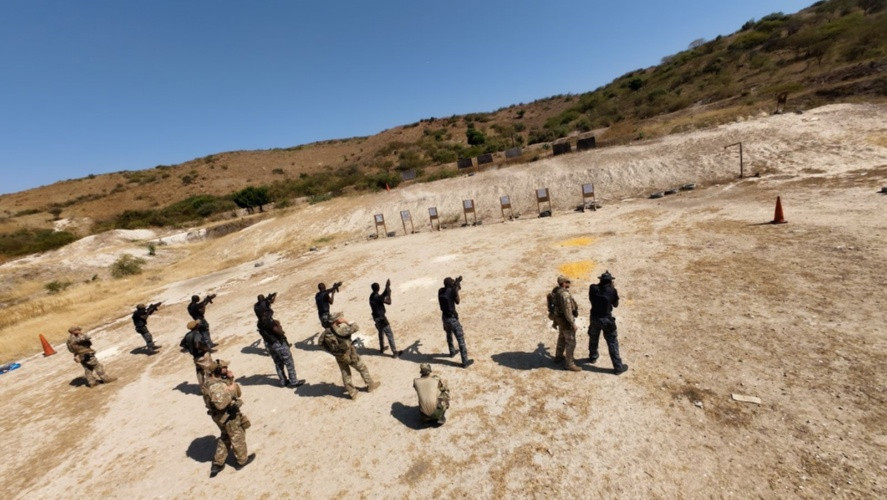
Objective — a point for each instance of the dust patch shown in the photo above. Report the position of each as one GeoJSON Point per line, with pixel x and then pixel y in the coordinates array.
{"type": "Point", "coordinates": [578, 270]}
{"type": "Point", "coordinates": [581, 241]}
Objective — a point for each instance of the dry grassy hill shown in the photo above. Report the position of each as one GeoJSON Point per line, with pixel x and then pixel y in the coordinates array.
{"type": "Point", "coordinates": [833, 51]}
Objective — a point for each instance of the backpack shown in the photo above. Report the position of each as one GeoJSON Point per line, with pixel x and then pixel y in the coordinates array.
{"type": "Point", "coordinates": [551, 300]}
{"type": "Point", "coordinates": [330, 343]}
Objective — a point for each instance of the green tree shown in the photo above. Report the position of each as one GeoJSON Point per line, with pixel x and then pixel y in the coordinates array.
{"type": "Point", "coordinates": [252, 197]}
{"type": "Point", "coordinates": [475, 136]}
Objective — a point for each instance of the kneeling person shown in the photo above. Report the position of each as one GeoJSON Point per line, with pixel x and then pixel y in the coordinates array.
{"type": "Point", "coordinates": [434, 396]}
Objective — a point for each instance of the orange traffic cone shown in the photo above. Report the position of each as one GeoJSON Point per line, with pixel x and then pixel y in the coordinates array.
{"type": "Point", "coordinates": [778, 218]}
{"type": "Point", "coordinates": [47, 349]}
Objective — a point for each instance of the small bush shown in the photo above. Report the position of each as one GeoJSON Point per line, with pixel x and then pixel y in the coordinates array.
{"type": "Point", "coordinates": [127, 265]}
{"type": "Point", "coordinates": [152, 249]}
{"type": "Point", "coordinates": [55, 286]}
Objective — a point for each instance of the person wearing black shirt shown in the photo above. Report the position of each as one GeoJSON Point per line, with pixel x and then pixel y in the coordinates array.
{"type": "Point", "coordinates": [377, 306]}
{"type": "Point", "coordinates": [323, 299]}
{"type": "Point", "coordinates": [197, 310]}
{"type": "Point", "coordinates": [140, 321]}
{"type": "Point", "coordinates": [604, 297]}
{"type": "Point", "coordinates": [448, 297]}
{"type": "Point", "coordinates": [264, 304]}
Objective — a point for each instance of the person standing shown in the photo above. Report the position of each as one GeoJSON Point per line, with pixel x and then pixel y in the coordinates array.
{"type": "Point", "coordinates": [196, 346]}
{"type": "Point", "coordinates": [434, 396]}
{"type": "Point", "coordinates": [604, 297]}
{"type": "Point", "coordinates": [80, 346]}
{"type": "Point", "coordinates": [377, 306]}
{"type": "Point", "coordinates": [197, 311]}
{"type": "Point", "coordinates": [323, 299]}
{"type": "Point", "coordinates": [140, 321]}
{"type": "Point", "coordinates": [279, 348]}
{"type": "Point", "coordinates": [336, 340]}
{"type": "Point", "coordinates": [565, 312]}
{"type": "Point", "coordinates": [447, 298]}
{"type": "Point", "coordinates": [221, 394]}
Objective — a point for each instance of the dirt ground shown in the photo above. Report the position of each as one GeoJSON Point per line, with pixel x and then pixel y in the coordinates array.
{"type": "Point", "coordinates": [715, 301]}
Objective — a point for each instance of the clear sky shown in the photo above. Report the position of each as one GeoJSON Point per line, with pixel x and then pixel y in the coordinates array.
{"type": "Point", "coordinates": [92, 86]}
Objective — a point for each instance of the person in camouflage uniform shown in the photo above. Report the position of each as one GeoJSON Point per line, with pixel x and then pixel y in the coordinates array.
{"type": "Point", "coordinates": [336, 340]}
{"type": "Point", "coordinates": [434, 396]}
{"type": "Point", "coordinates": [80, 346]}
{"type": "Point", "coordinates": [196, 346]}
{"type": "Point", "coordinates": [221, 394]}
{"type": "Point", "coordinates": [565, 312]}
{"type": "Point", "coordinates": [140, 321]}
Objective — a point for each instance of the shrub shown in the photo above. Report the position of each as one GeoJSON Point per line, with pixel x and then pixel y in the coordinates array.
{"type": "Point", "coordinates": [475, 137]}
{"type": "Point", "coordinates": [55, 286]}
{"type": "Point", "coordinates": [252, 197]}
{"type": "Point", "coordinates": [126, 265]}
{"type": "Point", "coordinates": [27, 241]}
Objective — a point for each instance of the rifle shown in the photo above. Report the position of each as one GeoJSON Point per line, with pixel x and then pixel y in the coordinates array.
{"type": "Point", "coordinates": [336, 286]}
{"type": "Point", "coordinates": [209, 299]}
{"type": "Point", "coordinates": [271, 297]}
{"type": "Point", "coordinates": [153, 307]}
{"type": "Point", "coordinates": [458, 284]}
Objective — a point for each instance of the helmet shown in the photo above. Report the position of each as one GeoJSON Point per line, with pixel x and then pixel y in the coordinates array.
{"type": "Point", "coordinates": [193, 324]}
{"type": "Point", "coordinates": [606, 276]}
{"type": "Point", "coordinates": [75, 329]}
{"type": "Point", "coordinates": [141, 306]}
{"type": "Point", "coordinates": [562, 279]}
{"type": "Point", "coordinates": [424, 369]}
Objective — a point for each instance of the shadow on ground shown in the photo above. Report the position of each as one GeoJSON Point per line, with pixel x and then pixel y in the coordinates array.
{"type": "Point", "coordinates": [144, 350]}
{"type": "Point", "coordinates": [255, 349]}
{"type": "Point", "coordinates": [259, 379]}
{"type": "Point", "coordinates": [78, 382]}
{"type": "Point", "coordinates": [412, 353]}
{"type": "Point", "coordinates": [408, 416]}
{"type": "Point", "coordinates": [309, 344]}
{"type": "Point", "coordinates": [202, 449]}
{"type": "Point", "coordinates": [540, 358]}
{"type": "Point", "coordinates": [321, 389]}
{"type": "Point", "coordinates": [186, 388]}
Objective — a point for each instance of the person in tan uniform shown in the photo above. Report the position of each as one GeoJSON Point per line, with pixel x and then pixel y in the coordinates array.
{"type": "Point", "coordinates": [80, 346]}
{"type": "Point", "coordinates": [565, 312]}
{"type": "Point", "coordinates": [434, 396]}
{"type": "Point", "coordinates": [221, 394]}
{"type": "Point", "coordinates": [336, 340]}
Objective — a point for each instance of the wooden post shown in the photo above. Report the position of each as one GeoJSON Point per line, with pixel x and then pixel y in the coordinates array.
{"type": "Point", "coordinates": [542, 196]}
{"type": "Point", "coordinates": [468, 206]}
{"type": "Point", "coordinates": [404, 217]}
{"type": "Point", "coordinates": [432, 216]}
{"type": "Point", "coordinates": [505, 202]}
{"type": "Point", "coordinates": [379, 219]}
{"type": "Point", "coordinates": [588, 192]}
{"type": "Point", "coordinates": [741, 167]}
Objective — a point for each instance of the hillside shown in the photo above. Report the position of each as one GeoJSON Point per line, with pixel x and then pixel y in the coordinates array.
{"type": "Point", "coordinates": [833, 51]}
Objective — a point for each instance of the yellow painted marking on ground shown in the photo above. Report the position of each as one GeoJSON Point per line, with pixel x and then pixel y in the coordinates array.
{"type": "Point", "coordinates": [581, 269]}
{"type": "Point", "coordinates": [581, 241]}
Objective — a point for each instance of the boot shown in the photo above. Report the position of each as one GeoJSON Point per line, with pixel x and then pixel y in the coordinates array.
{"type": "Point", "coordinates": [215, 469]}
{"type": "Point", "coordinates": [373, 386]}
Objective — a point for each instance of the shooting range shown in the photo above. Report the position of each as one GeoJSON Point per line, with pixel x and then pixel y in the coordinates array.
{"type": "Point", "coordinates": [432, 216]}
{"type": "Point", "coordinates": [404, 217]}
{"type": "Point", "coordinates": [484, 159]}
{"type": "Point", "coordinates": [468, 207]}
{"type": "Point", "coordinates": [588, 192]}
{"type": "Point", "coordinates": [543, 197]}
{"type": "Point", "coordinates": [379, 219]}
{"type": "Point", "coordinates": [505, 204]}
{"type": "Point", "coordinates": [561, 148]}
{"type": "Point", "coordinates": [464, 163]}
{"type": "Point", "coordinates": [586, 144]}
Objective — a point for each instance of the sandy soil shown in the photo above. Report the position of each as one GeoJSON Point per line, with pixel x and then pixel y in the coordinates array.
{"type": "Point", "coordinates": [715, 302]}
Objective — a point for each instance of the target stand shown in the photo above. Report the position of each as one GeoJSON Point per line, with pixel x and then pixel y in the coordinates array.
{"type": "Point", "coordinates": [404, 218]}
{"type": "Point", "coordinates": [468, 207]}
{"type": "Point", "coordinates": [432, 216]}
{"type": "Point", "coordinates": [542, 196]}
{"type": "Point", "coordinates": [379, 220]}
{"type": "Point", "coordinates": [588, 192]}
{"type": "Point", "coordinates": [505, 204]}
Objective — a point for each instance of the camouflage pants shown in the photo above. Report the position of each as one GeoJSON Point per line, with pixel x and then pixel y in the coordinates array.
{"type": "Point", "coordinates": [608, 326]}
{"type": "Point", "coordinates": [566, 343]}
{"type": "Point", "coordinates": [233, 438]}
{"type": "Point", "coordinates": [149, 341]}
{"type": "Point", "coordinates": [283, 358]}
{"type": "Point", "coordinates": [346, 361]}
{"type": "Point", "coordinates": [93, 371]}
{"type": "Point", "coordinates": [454, 328]}
{"type": "Point", "coordinates": [443, 404]}
{"type": "Point", "coordinates": [202, 365]}
{"type": "Point", "coordinates": [384, 329]}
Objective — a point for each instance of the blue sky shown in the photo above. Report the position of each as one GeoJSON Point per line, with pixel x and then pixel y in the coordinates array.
{"type": "Point", "coordinates": [100, 86]}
